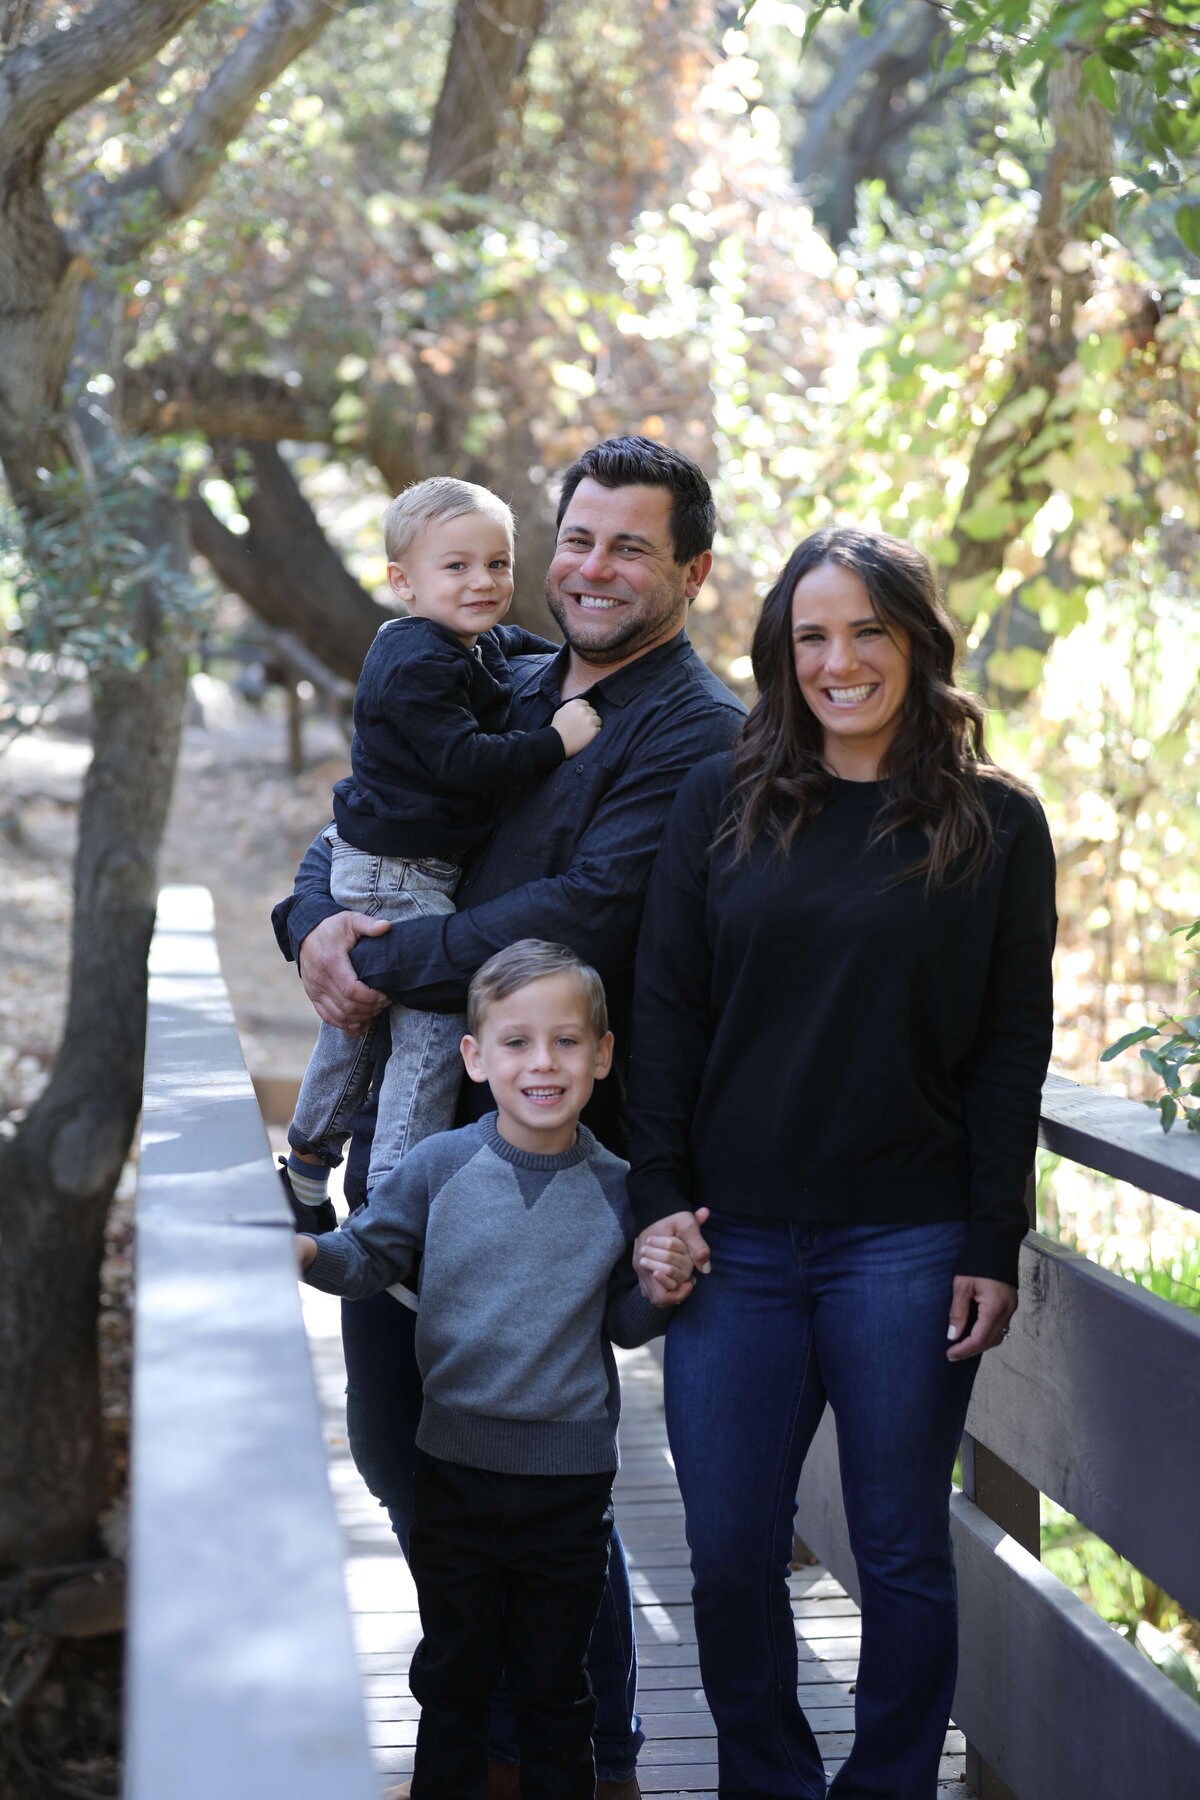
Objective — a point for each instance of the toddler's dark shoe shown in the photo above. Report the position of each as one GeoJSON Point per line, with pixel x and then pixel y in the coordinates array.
{"type": "Point", "coordinates": [316, 1219]}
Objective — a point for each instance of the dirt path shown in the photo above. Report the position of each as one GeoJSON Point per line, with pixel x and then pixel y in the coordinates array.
{"type": "Point", "coordinates": [238, 825]}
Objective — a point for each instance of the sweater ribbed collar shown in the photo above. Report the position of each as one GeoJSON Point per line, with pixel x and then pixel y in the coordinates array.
{"type": "Point", "coordinates": [579, 1152]}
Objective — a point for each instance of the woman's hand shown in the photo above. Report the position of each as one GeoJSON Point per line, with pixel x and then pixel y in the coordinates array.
{"type": "Point", "coordinates": [994, 1303]}
{"type": "Point", "coordinates": [328, 976]}
{"type": "Point", "coordinates": [666, 1261]}
{"type": "Point", "coordinates": [661, 1250]}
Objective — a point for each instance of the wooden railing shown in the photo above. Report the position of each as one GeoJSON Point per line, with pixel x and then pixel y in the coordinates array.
{"type": "Point", "coordinates": [240, 1673]}
{"type": "Point", "coordinates": [1095, 1401]}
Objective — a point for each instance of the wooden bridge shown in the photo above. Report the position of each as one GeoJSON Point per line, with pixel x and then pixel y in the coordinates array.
{"type": "Point", "coordinates": [272, 1619]}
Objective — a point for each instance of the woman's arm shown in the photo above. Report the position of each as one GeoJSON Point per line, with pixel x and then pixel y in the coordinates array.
{"type": "Point", "coordinates": [1006, 1067]}
{"type": "Point", "coordinates": [672, 1021]}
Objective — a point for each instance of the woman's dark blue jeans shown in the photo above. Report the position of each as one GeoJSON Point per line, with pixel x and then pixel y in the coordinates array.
{"type": "Point", "coordinates": [791, 1316]}
{"type": "Point", "coordinates": [383, 1409]}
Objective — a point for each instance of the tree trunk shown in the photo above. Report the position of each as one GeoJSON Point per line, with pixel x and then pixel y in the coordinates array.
{"type": "Point", "coordinates": [40, 284]}
{"type": "Point", "coordinates": [1083, 152]}
{"type": "Point", "coordinates": [58, 1174]}
{"type": "Point", "coordinates": [59, 1170]}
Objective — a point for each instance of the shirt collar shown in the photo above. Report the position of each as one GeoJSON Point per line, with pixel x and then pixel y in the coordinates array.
{"type": "Point", "coordinates": [624, 684]}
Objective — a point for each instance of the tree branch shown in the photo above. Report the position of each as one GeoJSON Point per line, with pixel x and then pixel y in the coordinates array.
{"type": "Point", "coordinates": [42, 83]}
{"type": "Point", "coordinates": [180, 395]}
{"type": "Point", "coordinates": [172, 183]}
{"type": "Point", "coordinates": [285, 567]}
{"type": "Point", "coordinates": [488, 50]}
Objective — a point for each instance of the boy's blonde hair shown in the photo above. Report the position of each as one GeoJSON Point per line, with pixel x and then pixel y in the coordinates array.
{"type": "Point", "coordinates": [441, 497]}
{"type": "Point", "coordinates": [529, 960]}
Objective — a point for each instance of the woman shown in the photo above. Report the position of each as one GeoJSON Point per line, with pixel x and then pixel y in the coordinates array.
{"type": "Point", "coordinates": [843, 1023]}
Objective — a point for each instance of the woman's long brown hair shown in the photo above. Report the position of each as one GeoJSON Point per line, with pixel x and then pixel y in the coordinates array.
{"type": "Point", "coordinates": [934, 764]}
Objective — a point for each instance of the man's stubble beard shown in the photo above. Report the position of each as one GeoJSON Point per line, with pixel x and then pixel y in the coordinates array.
{"type": "Point", "coordinates": [629, 635]}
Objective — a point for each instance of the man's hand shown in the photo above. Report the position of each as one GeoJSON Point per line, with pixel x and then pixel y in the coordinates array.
{"type": "Point", "coordinates": [994, 1303]}
{"type": "Point", "coordinates": [653, 1266]}
{"type": "Point", "coordinates": [340, 998]}
{"type": "Point", "coordinates": [306, 1250]}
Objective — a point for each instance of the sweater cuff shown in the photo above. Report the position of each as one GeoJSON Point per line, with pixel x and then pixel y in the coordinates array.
{"type": "Point", "coordinates": [295, 917]}
{"type": "Point", "coordinates": [638, 1320]}
{"type": "Point", "coordinates": [548, 749]}
{"type": "Point", "coordinates": [992, 1253]}
{"type": "Point", "coordinates": [328, 1268]}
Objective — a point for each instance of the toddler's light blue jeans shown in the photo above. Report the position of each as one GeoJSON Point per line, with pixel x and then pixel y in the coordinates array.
{"type": "Point", "coordinates": [424, 1072]}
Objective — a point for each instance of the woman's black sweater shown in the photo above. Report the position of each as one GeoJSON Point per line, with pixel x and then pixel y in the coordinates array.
{"type": "Point", "coordinates": [815, 1041]}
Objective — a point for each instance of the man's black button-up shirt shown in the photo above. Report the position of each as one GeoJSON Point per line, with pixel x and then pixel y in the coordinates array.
{"type": "Point", "coordinates": [570, 856]}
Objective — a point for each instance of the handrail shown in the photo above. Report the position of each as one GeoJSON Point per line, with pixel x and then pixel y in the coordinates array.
{"type": "Point", "coordinates": [1119, 1137]}
{"type": "Point", "coordinates": [240, 1672]}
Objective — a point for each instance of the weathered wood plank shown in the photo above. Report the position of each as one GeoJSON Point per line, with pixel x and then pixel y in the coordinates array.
{"type": "Point", "coordinates": [1121, 1138]}
{"type": "Point", "coordinates": [1054, 1699]}
{"type": "Point", "coordinates": [1095, 1399]}
{"type": "Point", "coordinates": [235, 1591]}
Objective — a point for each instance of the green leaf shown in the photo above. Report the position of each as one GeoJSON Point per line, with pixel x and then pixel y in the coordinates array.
{"type": "Point", "coordinates": [1117, 58]}
{"type": "Point", "coordinates": [1097, 79]}
{"type": "Point", "coordinates": [1187, 224]}
{"type": "Point", "coordinates": [1168, 1111]}
{"type": "Point", "coordinates": [988, 521]}
{"type": "Point", "coordinates": [1088, 195]}
{"type": "Point", "coordinates": [1131, 1037]}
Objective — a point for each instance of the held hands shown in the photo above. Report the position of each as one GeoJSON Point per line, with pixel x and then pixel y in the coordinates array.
{"type": "Point", "coordinates": [667, 1255]}
{"type": "Point", "coordinates": [992, 1303]}
{"type": "Point", "coordinates": [576, 724]}
{"type": "Point", "coordinates": [306, 1250]}
{"type": "Point", "coordinates": [328, 976]}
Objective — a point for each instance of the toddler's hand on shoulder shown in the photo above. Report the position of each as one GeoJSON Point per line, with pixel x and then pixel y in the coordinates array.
{"type": "Point", "coordinates": [576, 724]}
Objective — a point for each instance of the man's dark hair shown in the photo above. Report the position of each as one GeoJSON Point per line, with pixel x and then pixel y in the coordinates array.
{"type": "Point", "coordinates": [640, 462]}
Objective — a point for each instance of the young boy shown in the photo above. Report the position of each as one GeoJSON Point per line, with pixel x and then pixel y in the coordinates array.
{"type": "Point", "coordinates": [430, 751]}
{"type": "Point", "coordinates": [522, 1227]}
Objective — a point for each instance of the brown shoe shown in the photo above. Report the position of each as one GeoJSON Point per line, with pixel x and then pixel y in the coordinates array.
{"type": "Point", "coordinates": [619, 1790]}
{"type": "Point", "coordinates": [504, 1783]}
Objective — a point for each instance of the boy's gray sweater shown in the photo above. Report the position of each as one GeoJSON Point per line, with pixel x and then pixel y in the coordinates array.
{"type": "Point", "coordinates": [525, 1284]}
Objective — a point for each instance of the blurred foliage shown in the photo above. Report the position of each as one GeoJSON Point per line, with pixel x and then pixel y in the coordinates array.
{"type": "Point", "coordinates": [1137, 61]}
{"type": "Point", "coordinates": [659, 253]}
{"type": "Point", "coordinates": [75, 580]}
{"type": "Point", "coordinates": [1174, 1057]}
{"type": "Point", "coordinates": [1154, 1623]}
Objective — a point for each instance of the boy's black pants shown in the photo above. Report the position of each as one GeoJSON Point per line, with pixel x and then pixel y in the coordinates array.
{"type": "Point", "coordinates": [509, 1572]}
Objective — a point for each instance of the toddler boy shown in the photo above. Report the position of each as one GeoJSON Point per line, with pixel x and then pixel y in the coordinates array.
{"type": "Point", "coordinates": [429, 754]}
{"type": "Point", "coordinates": [522, 1227]}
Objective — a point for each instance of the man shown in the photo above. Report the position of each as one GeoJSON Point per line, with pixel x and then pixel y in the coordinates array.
{"type": "Point", "coordinates": [569, 862]}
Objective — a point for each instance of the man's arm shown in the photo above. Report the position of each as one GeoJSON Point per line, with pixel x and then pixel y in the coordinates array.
{"type": "Point", "coordinates": [339, 997]}
{"type": "Point", "coordinates": [594, 906]}
{"type": "Point", "coordinates": [309, 902]}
